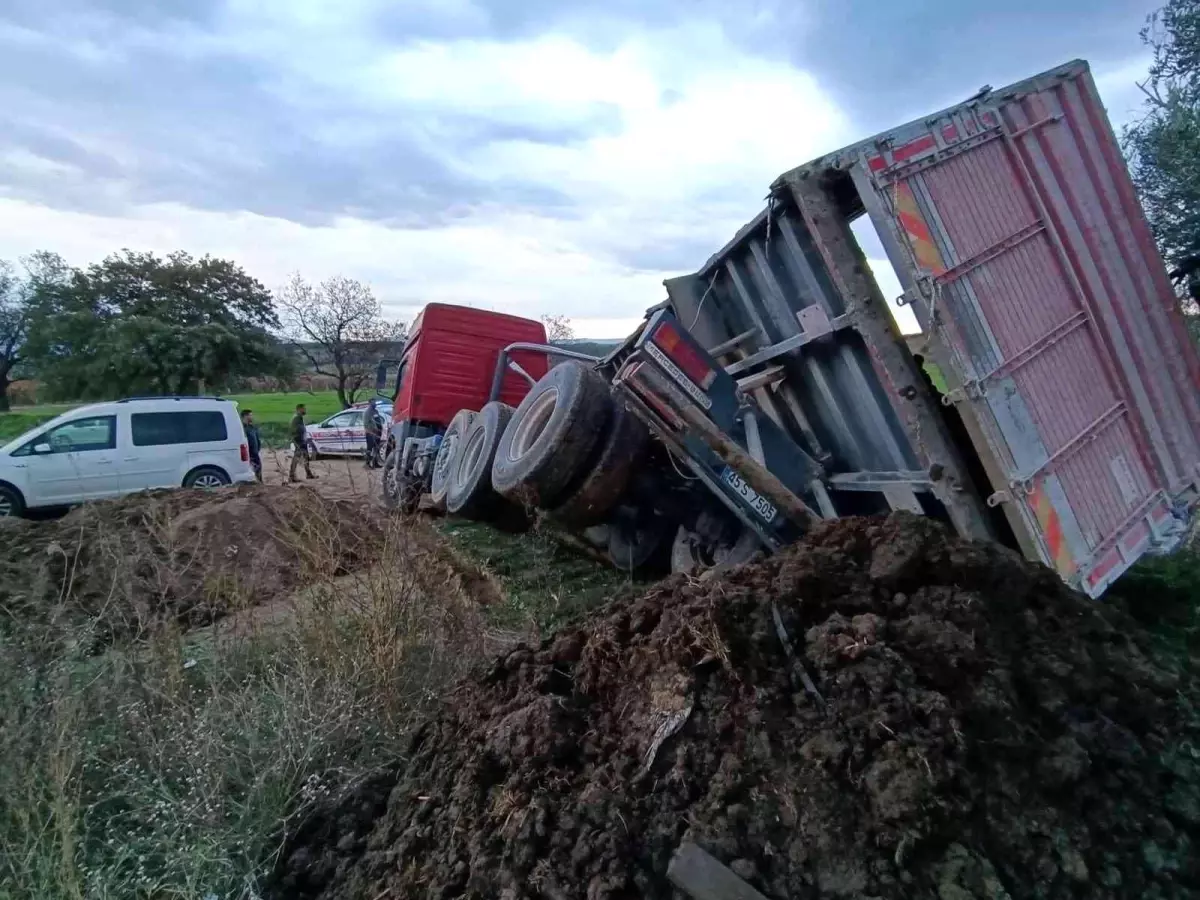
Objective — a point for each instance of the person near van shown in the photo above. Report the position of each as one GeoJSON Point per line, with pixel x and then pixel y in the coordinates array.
{"type": "Point", "coordinates": [373, 427]}
{"type": "Point", "coordinates": [253, 443]}
{"type": "Point", "coordinates": [299, 435]}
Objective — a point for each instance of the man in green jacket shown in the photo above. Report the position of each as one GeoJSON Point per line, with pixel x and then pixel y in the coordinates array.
{"type": "Point", "coordinates": [299, 435]}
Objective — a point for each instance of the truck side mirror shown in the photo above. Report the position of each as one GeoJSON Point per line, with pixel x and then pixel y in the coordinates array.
{"type": "Point", "coordinates": [381, 373]}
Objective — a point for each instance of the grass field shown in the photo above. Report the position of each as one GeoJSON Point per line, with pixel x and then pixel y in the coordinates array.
{"type": "Point", "coordinates": [271, 411]}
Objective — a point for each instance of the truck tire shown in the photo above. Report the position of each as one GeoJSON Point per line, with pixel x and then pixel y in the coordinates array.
{"type": "Point", "coordinates": [446, 461]}
{"type": "Point", "coordinates": [398, 491]}
{"type": "Point", "coordinates": [389, 486]}
{"type": "Point", "coordinates": [470, 492]}
{"type": "Point", "coordinates": [595, 496]}
{"type": "Point", "coordinates": [550, 439]}
{"type": "Point", "coordinates": [691, 554]}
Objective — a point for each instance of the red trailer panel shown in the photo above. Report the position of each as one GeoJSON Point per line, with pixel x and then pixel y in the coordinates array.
{"type": "Point", "coordinates": [1013, 223]}
{"type": "Point", "coordinates": [450, 360]}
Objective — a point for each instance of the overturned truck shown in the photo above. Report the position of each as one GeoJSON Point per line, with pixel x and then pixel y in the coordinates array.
{"type": "Point", "coordinates": [773, 389]}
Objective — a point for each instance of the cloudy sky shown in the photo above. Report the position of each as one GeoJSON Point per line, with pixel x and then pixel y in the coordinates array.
{"type": "Point", "coordinates": [537, 156]}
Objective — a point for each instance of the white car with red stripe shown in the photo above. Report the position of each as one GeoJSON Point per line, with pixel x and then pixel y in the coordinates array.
{"type": "Point", "coordinates": [343, 434]}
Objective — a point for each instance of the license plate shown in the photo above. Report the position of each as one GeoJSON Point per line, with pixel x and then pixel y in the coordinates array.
{"type": "Point", "coordinates": [754, 500]}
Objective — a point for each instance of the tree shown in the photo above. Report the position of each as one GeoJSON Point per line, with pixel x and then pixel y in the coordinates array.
{"type": "Point", "coordinates": [339, 328]}
{"type": "Point", "coordinates": [558, 328]}
{"type": "Point", "coordinates": [1164, 145]}
{"type": "Point", "coordinates": [14, 325]}
{"type": "Point", "coordinates": [137, 323]}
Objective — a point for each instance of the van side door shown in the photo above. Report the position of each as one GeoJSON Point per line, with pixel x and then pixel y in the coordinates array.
{"type": "Point", "coordinates": [73, 462]}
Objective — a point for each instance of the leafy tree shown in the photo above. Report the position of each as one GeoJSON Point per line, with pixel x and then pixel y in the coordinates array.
{"type": "Point", "coordinates": [138, 323]}
{"type": "Point", "coordinates": [1164, 145]}
{"type": "Point", "coordinates": [558, 328]}
{"type": "Point", "coordinates": [14, 325]}
{"type": "Point", "coordinates": [339, 328]}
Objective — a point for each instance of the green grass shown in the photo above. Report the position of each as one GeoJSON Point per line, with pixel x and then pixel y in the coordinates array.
{"type": "Point", "coordinates": [547, 584]}
{"type": "Point", "coordinates": [936, 376]}
{"type": "Point", "coordinates": [1164, 594]}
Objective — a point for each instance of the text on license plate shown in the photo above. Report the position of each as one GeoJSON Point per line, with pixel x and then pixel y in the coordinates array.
{"type": "Point", "coordinates": [756, 501]}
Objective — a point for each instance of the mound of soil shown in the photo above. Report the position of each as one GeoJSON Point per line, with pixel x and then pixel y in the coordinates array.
{"type": "Point", "coordinates": [181, 556]}
{"type": "Point", "coordinates": [883, 711]}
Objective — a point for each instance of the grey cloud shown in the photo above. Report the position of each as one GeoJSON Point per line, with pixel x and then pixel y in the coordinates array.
{"type": "Point", "coordinates": [888, 59]}
{"type": "Point", "coordinates": [152, 124]}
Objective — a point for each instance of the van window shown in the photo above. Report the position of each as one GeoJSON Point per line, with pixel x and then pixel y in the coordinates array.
{"type": "Point", "coordinates": [77, 436]}
{"type": "Point", "coordinates": [197, 427]}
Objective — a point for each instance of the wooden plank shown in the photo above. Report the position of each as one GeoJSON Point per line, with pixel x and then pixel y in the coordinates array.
{"type": "Point", "coordinates": [699, 875]}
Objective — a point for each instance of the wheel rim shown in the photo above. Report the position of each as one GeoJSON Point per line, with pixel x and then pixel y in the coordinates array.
{"type": "Point", "coordinates": [532, 424]}
{"type": "Point", "coordinates": [390, 487]}
{"type": "Point", "coordinates": [208, 481]}
{"type": "Point", "coordinates": [470, 457]}
{"type": "Point", "coordinates": [7, 506]}
{"type": "Point", "coordinates": [441, 465]}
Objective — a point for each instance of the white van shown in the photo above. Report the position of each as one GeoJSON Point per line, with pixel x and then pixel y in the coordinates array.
{"type": "Point", "coordinates": [110, 449]}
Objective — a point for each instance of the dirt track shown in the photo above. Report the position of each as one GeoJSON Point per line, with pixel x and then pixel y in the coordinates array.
{"type": "Point", "coordinates": [979, 732]}
{"type": "Point", "coordinates": [338, 478]}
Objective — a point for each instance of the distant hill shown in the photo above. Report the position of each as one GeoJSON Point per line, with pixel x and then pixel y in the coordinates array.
{"type": "Point", "coordinates": [590, 347]}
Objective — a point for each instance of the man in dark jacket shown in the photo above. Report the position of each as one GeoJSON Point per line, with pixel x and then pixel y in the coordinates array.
{"type": "Point", "coordinates": [253, 442]}
{"type": "Point", "coordinates": [373, 426]}
{"type": "Point", "coordinates": [299, 435]}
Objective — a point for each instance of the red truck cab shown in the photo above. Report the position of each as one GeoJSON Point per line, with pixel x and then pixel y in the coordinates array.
{"type": "Point", "coordinates": [450, 358]}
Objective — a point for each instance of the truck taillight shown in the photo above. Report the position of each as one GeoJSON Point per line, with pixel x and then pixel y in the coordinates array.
{"type": "Point", "coordinates": [683, 354]}
{"type": "Point", "coordinates": [245, 453]}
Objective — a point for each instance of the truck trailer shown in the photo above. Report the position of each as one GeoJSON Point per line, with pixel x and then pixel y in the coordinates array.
{"type": "Point", "coordinates": [772, 389]}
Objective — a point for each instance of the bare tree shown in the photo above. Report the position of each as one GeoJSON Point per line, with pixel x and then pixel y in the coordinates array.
{"type": "Point", "coordinates": [558, 328]}
{"type": "Point", "coordinates": [339, 327]}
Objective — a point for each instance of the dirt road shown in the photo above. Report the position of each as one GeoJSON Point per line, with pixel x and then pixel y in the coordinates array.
{"type": "Point", "coordinates": [338, 478]}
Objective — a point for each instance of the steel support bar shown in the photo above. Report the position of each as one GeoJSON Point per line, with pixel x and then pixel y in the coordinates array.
{"type": "Point", "coordinates": [877, 481]}
{"type": "Point", "coordinates": [503, 364]}
{"type": "Point", "coordinates": [913, 401]}
{"type": "Point", "coordinates": [1075, 444]}
{"type": "Point", "coordinates": [762, 379]}
{"type": "Point", "coordinates": [785, 347]}
{"type": "Point", "coordinates": [1023, 356]}
{"type": "Point", "coordinates": [733, 343]}
{"type": "Point", "coordinates": [985, 256]}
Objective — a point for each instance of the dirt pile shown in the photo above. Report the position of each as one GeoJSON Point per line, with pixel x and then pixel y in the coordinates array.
{"type": "Point", "coordinates": [969, 728]}
{"type": "Point", "coordinates": [183, 556]}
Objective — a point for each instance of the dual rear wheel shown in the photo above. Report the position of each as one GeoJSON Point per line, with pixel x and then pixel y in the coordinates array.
{"type": "Point", "coordinates": [569, 451]}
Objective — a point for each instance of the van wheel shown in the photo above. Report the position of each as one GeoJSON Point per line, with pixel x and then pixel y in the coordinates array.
{"type": "Point", "coordinates": [603, 486]}
{"type": "Point", "coordinates": [445, 464]}
{"type": "Point", "coordinates": [692, 554]}
{"type": "Point", "coordinates": [206, 478]}
{"type": "Point", "coordinates": [549, 440]}
{"type": "Point", "coordinates": [12, 504]}
{"type": "Point", "coordinates": [469, 492]}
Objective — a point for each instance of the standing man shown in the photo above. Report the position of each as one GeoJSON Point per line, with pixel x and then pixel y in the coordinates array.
{"type": "Point", "coordinates": [299, 435]}
{"type": "Point", "coordinates": [253, 442]}
{"type": "Point", "coordinates": [373, 426]}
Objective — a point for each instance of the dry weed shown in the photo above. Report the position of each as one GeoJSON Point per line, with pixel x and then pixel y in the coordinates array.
{"type": "Point", "coordinates": [166, 764]}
